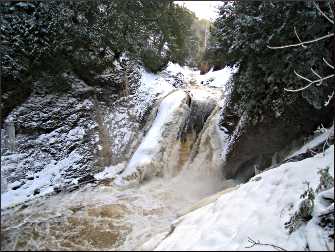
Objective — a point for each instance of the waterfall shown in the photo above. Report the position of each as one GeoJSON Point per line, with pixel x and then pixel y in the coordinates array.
{"type": "Point", "coordinates": [206, 153]}
{"type": "Point", "coordinates": [183, 135]}
{"type": "Point", "coordinates": [175, 162]}
{"type": "Point", "coordinates": [155, 153]}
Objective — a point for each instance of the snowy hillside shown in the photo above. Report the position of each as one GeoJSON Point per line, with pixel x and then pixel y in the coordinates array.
{"type": "Point", "coordinates": [258, 210]}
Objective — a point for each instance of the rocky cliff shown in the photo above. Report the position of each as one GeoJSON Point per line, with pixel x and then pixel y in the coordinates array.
{"type": "Point", "coordinates": [257, 146]}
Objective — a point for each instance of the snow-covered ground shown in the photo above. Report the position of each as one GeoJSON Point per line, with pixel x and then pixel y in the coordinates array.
{"type": "Point", "coordinates": [257, 209]}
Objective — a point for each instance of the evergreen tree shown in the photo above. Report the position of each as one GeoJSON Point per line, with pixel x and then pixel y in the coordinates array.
{"type": "Point", "coordinates": [57, 35]}
{"type": "Point", "coordinates": [240, 37]}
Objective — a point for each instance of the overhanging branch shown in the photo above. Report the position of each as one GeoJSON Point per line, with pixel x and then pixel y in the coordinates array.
{"type": "Point", "coordinates": [302, 43]}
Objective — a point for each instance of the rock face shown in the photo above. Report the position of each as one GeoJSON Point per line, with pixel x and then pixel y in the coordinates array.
{"type": "Point", "coordinates": [252, 147]}
{"type": "Point", "coordinates": [49, 127]}
{"type": "Point", "coordinates": [68, 125]}
{"type": "Point", "coordinates": [12, 95]}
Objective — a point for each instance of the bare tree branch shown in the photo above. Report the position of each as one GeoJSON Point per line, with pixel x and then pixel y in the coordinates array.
{"type": "Point", "coordinates": [310, 82]}
{"type": "Point", "coordinates": [254, 243]}
{"type": "Point", "coordinates": [302, 77]}
{"type": "Point", "coordinates": [327, 63]}
{"type": "Point", "coordinates": [323, 14]}
{"type": "Point", "coordinates": [296, 34]}
{"type": "Point", "coordinates": [302, 43]}
{"type": "Point", "coordinates": [329, 99]}
{"type": "Point", "coordinates": [317, 75]}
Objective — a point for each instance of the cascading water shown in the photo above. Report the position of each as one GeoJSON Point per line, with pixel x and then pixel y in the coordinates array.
{"type": "Point", "coordinates": [177, 164]}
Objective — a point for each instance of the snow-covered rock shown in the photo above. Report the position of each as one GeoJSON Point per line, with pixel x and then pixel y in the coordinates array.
{"type": "Point", "coordinates": [58, 132]}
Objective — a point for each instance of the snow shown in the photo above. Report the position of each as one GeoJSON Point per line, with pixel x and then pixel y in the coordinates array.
{"type": "Point", "coordinates": [25, 5]}
{"type": "Point", "coordinates": [150, 145]}
{"type": "Point", "coordinates": [110, 171]}
{"type": "Point", "coordinates": [314, 233]}
{"type": "Point", "coordinates": [76, 133]}
{"type": "Point", "coordinates": [43, 181]}
{"type": "Point", "coordinates": [160, 84]}
{"type": "Point", "coordinates": [315, 141]}
{"type": "Point", "coordinates": [174, 69]}
{"type": "Point", "coordinates": [154, 84]}
{"type": "Point", "coordinates": [217, 78]}
{"type": "Point", "coordinates": [15, 183]}
{"type": "Point", "coordinates": [257, 209]}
